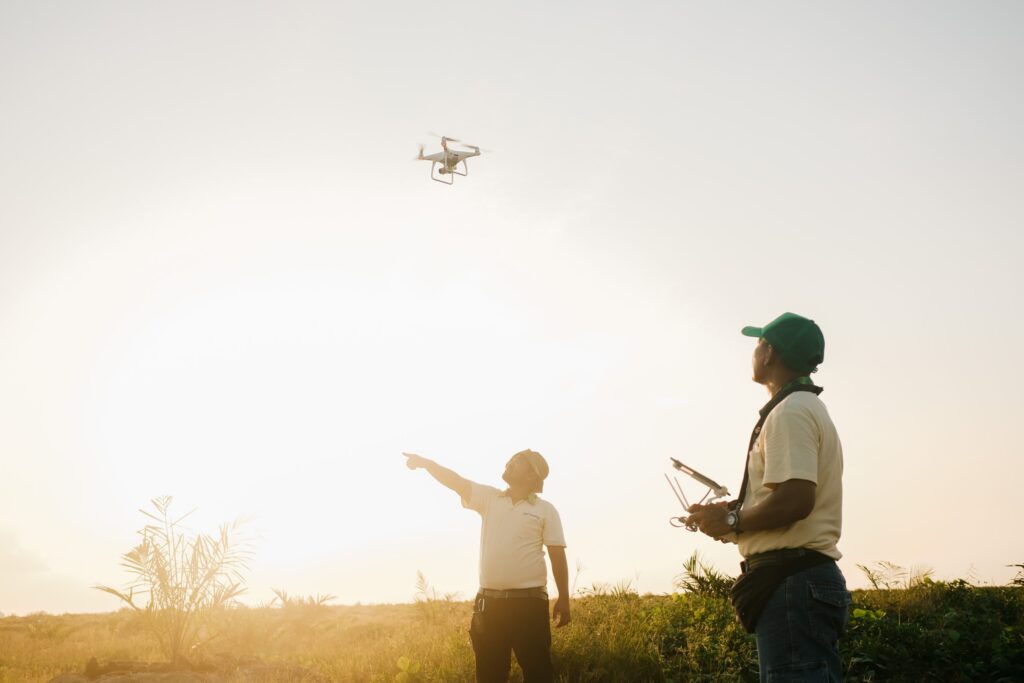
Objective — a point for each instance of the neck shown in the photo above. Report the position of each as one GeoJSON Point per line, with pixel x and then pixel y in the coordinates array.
{"type": "Point", "coordinates": [775, 384]}
{"type": "Point", "coordinates": [518, 493]}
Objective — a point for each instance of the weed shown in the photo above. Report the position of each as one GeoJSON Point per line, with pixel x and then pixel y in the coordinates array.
{"type": "Point", "coordinates": [887, 575]}
{"type": "Point", "coordinates": [702, 579]}
{"type": "Point", "coordinates": [432, 605]}
{"type": "Point", "coordinates": [407, 670]}
{"type": "Point", "coordinates": [1019, 579]}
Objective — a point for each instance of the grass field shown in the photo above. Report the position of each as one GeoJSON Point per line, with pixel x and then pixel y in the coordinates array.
{"type": "Point", "coordinates": [929, 631]}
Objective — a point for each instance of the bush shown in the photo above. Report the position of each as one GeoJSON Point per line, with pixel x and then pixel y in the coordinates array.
{"type": "Point", "coordinates": [184, 579]}
{"type": "Point", "coordinates": [936, 631]}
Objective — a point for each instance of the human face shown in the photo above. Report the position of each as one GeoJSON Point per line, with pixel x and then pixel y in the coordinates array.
{"type": "Point", "coordinates": [761, 360]}
{"type": "Point", "coordinates": [518, 472]}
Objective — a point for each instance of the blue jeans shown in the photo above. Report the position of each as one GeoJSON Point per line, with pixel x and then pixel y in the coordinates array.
{"type": "Point", "coordinates": [798, 632]}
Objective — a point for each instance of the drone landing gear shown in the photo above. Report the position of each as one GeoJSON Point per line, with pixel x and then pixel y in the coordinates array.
{"type": "Point", "coordinates": [433, 176]}
{"type": "Point", "coordinates": [440, 177]}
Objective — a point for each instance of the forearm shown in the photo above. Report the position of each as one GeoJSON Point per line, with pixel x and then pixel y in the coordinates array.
{"type": "Point", "coordinates": [448, 478]}
{"type": "Point", "coordinates": [786, 504]}
{"type": "Point", "coordinates": [559, 569]}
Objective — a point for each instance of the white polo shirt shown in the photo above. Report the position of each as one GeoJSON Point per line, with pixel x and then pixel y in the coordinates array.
{"type": "Point", "coordinates": [512, 538]}
{"type": "Point", "coordinates": [798, 441]}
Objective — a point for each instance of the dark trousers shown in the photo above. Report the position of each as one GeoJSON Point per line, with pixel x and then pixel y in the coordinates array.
{"type": "Point", "coordinates": [798, 631]}
{"type": "Point", "coordinates": [503, 625]}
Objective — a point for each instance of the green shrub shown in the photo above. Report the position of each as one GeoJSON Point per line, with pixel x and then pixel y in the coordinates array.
{"type": "Point", "coordinates": [936, 631]}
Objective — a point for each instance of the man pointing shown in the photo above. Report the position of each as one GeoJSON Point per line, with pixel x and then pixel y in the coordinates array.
{"type": "Point", "coordinates": [510, 610]}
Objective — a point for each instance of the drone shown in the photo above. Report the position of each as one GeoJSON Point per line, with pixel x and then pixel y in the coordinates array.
{"type": "Point", "coordinates": [449, 160]}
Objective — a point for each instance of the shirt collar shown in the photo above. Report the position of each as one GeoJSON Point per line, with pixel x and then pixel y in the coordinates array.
{"type": "Point", "coordinates": [531, 498]}
{"type": "Point", "coordinates": [787, 389]}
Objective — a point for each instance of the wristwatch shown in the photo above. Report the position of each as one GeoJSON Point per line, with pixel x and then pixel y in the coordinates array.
{"type": "Point", "coordinates": [732, 518]}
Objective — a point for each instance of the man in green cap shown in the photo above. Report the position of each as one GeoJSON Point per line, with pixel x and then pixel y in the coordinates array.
{"type": "Point", "coordinates": [788, 516]}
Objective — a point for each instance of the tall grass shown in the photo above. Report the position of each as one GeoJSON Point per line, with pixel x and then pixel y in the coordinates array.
{"type": "Point", "coordinates": [936, 631]}
{"type": "Point", "coordinates": [1019, 579]}
{"type": "Point", "coordinates": [887, 575]}
{"type": "Point", "coordinates": [916, 630]}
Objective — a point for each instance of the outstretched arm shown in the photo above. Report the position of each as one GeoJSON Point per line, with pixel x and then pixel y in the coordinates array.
{"type": "Point", "coordinates": [560, 570]}
{"type": "Point", "coordinates": [461, 486]}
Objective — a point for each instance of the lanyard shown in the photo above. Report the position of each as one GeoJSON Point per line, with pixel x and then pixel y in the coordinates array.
{"type": "Point", "coordinates": [799, 384]}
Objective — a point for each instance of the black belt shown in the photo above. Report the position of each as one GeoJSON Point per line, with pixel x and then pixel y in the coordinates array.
{"type": "Point", "coordinates": [539, 592]}
{"type": "Point", "coordinates": [778, 557]}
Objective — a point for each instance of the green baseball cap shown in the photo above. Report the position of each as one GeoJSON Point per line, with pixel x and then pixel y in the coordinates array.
{"type": "Point", "coordinates": [797, 339]}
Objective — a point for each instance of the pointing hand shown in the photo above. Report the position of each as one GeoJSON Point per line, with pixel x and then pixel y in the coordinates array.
{"type": "Point", "coordinates": [414, 461]}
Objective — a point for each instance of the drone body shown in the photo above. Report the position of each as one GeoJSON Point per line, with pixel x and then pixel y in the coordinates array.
{"type": "Point", "coordinates": [445, 165]}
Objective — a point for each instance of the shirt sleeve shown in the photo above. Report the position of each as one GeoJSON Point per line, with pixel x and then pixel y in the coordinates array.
{"type": "Point", "coordinates": [480, 497]}
{"type": "Point", "coordinates": [791, 443]}
{"type": "Point", "coordinates": [553, 534]}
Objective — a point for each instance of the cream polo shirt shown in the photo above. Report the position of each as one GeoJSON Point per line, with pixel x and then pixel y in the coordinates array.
{"type": "Point", "coordinates": [798, 441]}
{"type": "Point", "coordinates": [512, 538]}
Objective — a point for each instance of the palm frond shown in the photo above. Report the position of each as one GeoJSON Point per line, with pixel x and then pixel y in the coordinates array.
{"type": "Point", "coordinates": [184, 577]}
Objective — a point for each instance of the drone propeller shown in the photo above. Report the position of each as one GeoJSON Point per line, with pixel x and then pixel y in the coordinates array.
{"type": "Point", "coordinates": [444, 137]}
{"type": "Point", "coordinates": [464, 144]}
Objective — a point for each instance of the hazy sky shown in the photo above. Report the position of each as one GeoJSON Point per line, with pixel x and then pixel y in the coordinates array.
{"type": "Point", "coordinates": [223, 277]}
